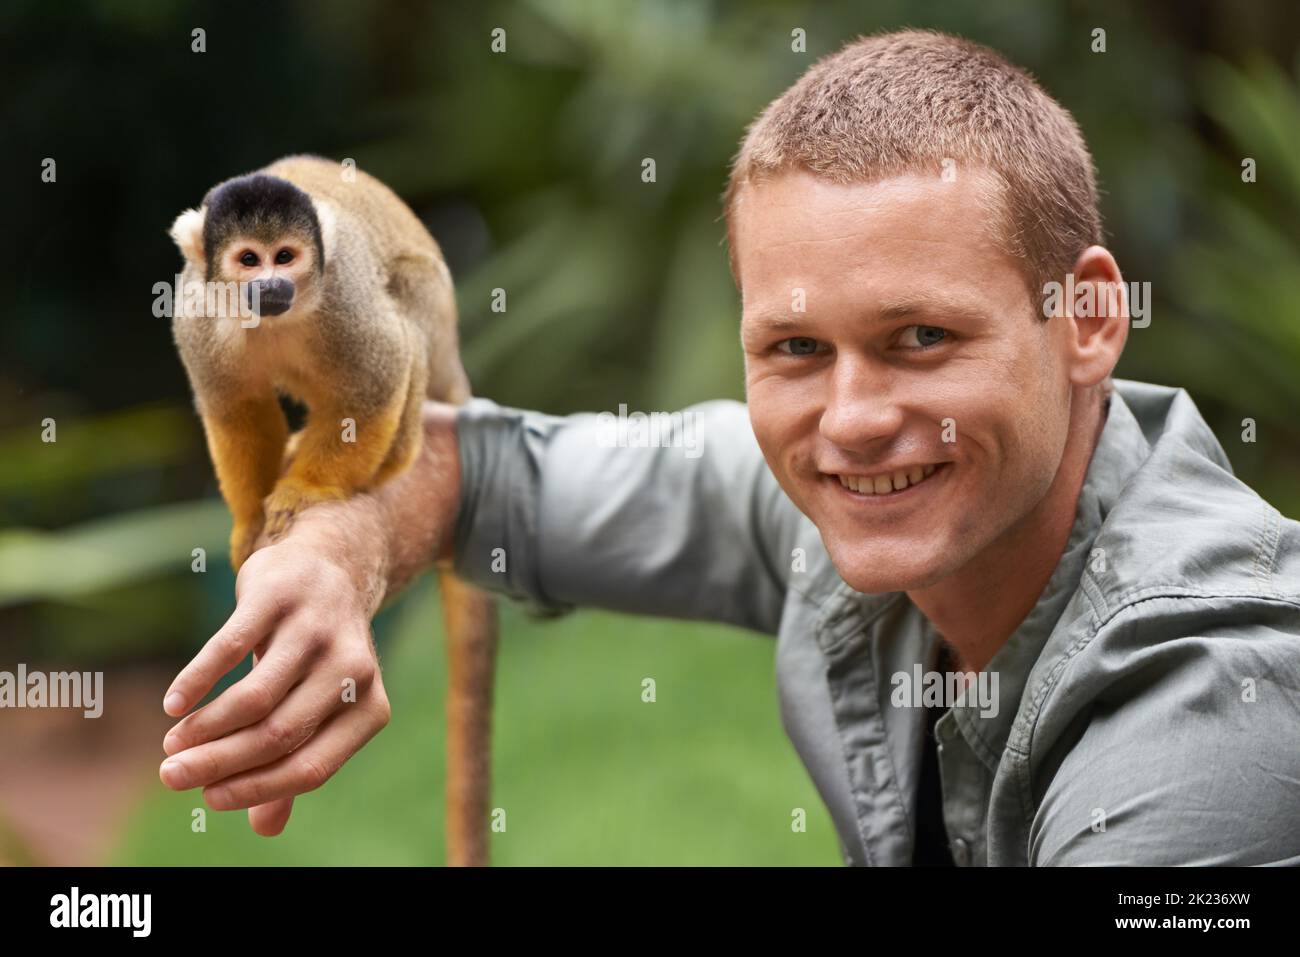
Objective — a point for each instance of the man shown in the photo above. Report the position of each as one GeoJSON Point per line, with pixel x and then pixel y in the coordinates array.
{"type": "Point", "coordinates": [936, 498]}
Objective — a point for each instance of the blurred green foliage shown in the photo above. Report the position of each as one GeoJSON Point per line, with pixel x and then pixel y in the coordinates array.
{"type": "Point", "coordinates": [526, 166]}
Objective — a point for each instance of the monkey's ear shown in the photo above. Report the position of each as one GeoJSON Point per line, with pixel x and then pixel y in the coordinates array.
{"type": "Point", "coordinates": [328, 227]}
{"type": "Point", "coordinates": [187, 233]}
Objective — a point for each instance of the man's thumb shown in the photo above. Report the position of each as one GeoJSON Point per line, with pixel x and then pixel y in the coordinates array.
{"type": "Point", "coordinates": [269, 819]}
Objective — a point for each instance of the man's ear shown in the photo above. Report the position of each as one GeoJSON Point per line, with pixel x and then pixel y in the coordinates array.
{"type": "Point", "coordinates": [1098, 315]}
{"type": "Point", "coordinates": [187, 233]}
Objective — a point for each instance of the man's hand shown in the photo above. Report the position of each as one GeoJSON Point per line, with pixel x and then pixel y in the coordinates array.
{"type": "Point", "coordinates": [315, 695]}
{"type": "Point", "coordinates": [312, 699]}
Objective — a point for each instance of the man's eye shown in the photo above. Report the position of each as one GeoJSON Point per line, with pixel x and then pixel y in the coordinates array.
{"type": "Point", "coordinates": [249, 259]}
{"type": "Point", "coordinates": [798, 346]}
{"type": "Point", "coordinates": [922, 337]}
{"type": "Point", "coordinates": [283, 256]}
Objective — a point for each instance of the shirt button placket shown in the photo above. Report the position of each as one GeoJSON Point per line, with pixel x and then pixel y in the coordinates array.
{"type": "Point", "coordinates": [955, 784]}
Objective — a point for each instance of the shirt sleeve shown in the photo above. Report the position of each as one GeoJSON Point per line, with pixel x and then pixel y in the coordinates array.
{"type": "Point", "coordinates": [1190, 754]}
{"type": "Point", "coordinates": [675, 515]}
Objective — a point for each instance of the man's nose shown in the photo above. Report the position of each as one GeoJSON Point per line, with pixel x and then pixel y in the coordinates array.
{"type": "Point", "coordinates": [861, 405]}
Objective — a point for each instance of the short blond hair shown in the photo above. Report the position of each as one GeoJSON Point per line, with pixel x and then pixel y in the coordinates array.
{"type": "Point", "coordinates": [906, 102]}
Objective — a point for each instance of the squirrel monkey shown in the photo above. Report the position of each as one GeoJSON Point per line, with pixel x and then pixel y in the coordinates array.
{"type": "Point", "coordinates": [347, 305]}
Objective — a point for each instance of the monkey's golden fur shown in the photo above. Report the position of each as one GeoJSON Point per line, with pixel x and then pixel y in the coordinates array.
{"type": "Point", "coordinates": [364, 343]}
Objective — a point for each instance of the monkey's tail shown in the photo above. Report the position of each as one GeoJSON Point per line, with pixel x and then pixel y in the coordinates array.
{"type": "Point", "coordinates": [471, 626]}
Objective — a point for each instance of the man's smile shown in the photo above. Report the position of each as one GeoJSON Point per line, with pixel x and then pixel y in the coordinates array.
{"type": "Point", "coordinates": [903, 482]}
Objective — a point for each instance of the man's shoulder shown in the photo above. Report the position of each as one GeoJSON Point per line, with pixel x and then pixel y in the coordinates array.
{"type": "Point", "coordinates": [1171, 679]}
{"type": "Point", "coordinates": [1189, 565]}
{"type": "Point", "coordinates": [1167, 738]}
{"type": "Point", "coordinates": [1184, 526]}
{"type": "Point", "coordinates": [1162, 734]}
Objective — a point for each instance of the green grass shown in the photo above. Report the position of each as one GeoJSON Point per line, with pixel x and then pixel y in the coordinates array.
{"type": "Point", "coordinates": [586, 772]}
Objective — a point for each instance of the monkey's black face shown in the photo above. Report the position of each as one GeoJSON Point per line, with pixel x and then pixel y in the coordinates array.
{"type": "Point", "coordinates": [263, 232]}
{"type": "Point", "coordinates": [270, 297]}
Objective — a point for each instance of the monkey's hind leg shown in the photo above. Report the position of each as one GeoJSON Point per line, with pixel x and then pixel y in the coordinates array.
{"type": "Point", "coordinates": [410, 432]}
{"type": "Point", "coordinates": [470, 619]}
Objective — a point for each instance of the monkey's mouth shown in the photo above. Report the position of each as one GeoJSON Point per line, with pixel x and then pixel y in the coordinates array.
{"type": "Point", "coordinates": [272, 307]}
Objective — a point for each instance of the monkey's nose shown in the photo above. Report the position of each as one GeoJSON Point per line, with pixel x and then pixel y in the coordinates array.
{"type": "Point", "coordinates": [270, 297]}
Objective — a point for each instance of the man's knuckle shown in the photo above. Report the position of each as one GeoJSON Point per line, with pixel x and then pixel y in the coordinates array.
{"type": "Point", "coordinates": [249, 572]}
{"type": "Point", "coordinates": [231, 644]}
{"type": "Point", "coordinates": [312, 773]}
{"type": "Point", "coordinates": [257, 698]}
{"type": "Point", "coordinates": [331, 573]}
{"type": "Point", "coordinates": [203, 765]}
{"type": "Point", "coordinates": [198, 729]}
{"type": "Point", "coordinates": [250, 793]}
{"type": "Point", "coordinates": [319, 635]}
{"type": "Point", "coordinates": [281, 737]}
{"type": "Point", "coordinates": [358, 666]}
{"type": "Point", "coordinates": [282, 594]}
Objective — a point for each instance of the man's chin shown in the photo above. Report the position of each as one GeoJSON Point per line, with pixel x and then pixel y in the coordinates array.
{"type": "Point", "coordinates": [881, 570]}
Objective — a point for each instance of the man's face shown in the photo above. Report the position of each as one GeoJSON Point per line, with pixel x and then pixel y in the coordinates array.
{"type": "Point", "coordinates": [901, 383]}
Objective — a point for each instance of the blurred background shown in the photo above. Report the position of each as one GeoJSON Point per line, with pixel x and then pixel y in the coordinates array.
{"type": "Point", "coordinates": [526, 166]}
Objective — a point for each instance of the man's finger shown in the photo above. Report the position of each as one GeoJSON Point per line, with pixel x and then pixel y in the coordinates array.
{"type": "Point", "coordinates": [269, 820]}
{"type": "Point", "coordinates": [306, 768]}
{"type": "Point", "coordinates": [248, 700]}
{"type": "Point", "coordinates": [303, 710]}
{"type": "Point", "coordinates": [247, 626]}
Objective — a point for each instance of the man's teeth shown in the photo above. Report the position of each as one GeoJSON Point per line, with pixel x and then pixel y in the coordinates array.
{"type": "Point", "coordinates": [882, 484]}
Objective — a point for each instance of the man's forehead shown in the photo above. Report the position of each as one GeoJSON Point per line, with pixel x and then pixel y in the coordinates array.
{"type": "Point", "coordinates": [798, 229]}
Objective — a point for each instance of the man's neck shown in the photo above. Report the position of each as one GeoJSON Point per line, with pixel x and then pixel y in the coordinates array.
{"type": "Point", "coordinates": [979, 607]}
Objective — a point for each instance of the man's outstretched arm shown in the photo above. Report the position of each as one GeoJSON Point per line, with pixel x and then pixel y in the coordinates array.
{"type": "Point", "coordinates": [681, 519]}
{"type": "Point", "coordinates": [577, 520]}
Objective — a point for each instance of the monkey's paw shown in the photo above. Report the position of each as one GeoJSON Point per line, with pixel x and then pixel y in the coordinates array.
{"type": "Point", "coordinates": [290, 498]}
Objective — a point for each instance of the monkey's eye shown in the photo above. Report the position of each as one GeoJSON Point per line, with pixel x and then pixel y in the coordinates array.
{"type": "Point", "coordinates": [249, 258]}
{"type": "Point", "coordinates": [283, 257]}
